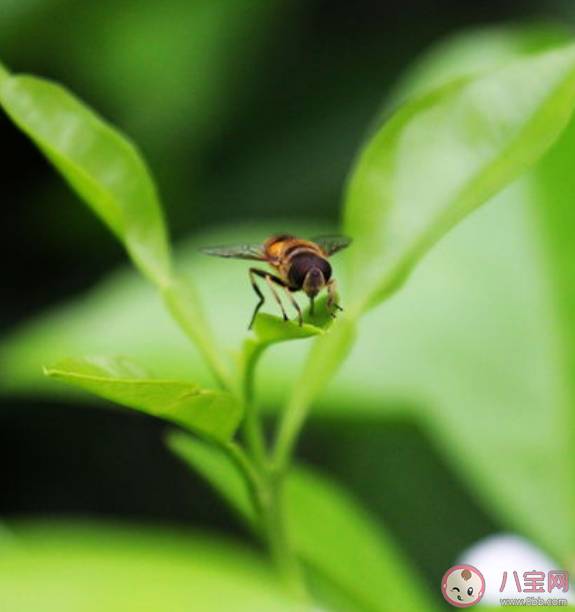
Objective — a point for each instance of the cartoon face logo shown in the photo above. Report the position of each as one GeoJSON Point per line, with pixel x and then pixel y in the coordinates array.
{"type": "Point", "coordinates": [463, 586]}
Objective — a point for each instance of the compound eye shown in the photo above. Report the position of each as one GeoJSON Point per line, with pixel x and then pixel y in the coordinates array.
{"type": "Point", "coordinates": [325, 269]}
{"type": "Point", "coordinates": [470, 591]}
{"type": "Point", "coordinates": [299, 268]}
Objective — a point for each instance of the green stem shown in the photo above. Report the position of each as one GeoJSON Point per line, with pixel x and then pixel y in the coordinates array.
{"type": "Point", "coordinates": [270, 495]}
{"type": "Point", "coordinates": [252, 477]}
{"type": "Point", "coordinates": [278, 539]}
{"type": "Point", "coordinates": [326, 356]}
{"type": "Point", "coordinates": [295, 414]}
{"type": "Point", "coordinates": [252, 425]}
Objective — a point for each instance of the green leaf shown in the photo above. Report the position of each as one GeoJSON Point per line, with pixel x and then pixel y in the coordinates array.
{"type": "Point", "coordinates": [474, 343]}
{"type": "Point", "coordinates": [212, 413]}
{"type": "Point", "coordinates": [204, 43]}
{"type": "Point", "coordinates": [442, 155]}
{"type": "Point", "coordinates": [109, 174]}
{"type": "Point", "coordinates": [474, 52]}
{"type": "Point", "coordinates": [217, 467]}
{"type": "Point", "coordinates": [102, 166]}
{"type": "Point", "coordinates": [81, 567]}
{"type": "Point", "coordinates": [341, 540]}
{"type": "Point", "coordinates": [554, 185]}
{"type": "Point", "coordinates": [269, 329]}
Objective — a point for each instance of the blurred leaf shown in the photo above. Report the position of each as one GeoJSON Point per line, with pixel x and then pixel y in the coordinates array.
{"type": "Point", "coordinates": [101, 165]}
{"type": "Point", "coordinates": [217, 468]}
{"type": "Point", "coordinates": [349, 550]}
{"type": "Point", "coordinates": [206, 43]}
{"type": "Point", "coordinates": [554, 191]}
{"type": "Point", "coordinates": [89, 568]}
{"type": "Point", "coordinates": [338, 538]}
{"type": "Point", "coordinates": [502, 408]}
{"type": "Point", "coordinates": [118, 379]}
{"type": "Point", "coordinates": [474, 52]}
{"type": "Point", "coordinates": [442, 155]}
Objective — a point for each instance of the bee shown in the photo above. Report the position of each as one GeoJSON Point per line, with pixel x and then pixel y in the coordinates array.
{"type": "Point", "coordinates": [299, 265]}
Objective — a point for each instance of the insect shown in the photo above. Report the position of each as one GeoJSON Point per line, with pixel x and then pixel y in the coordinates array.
{"type": "Point", "coordinates": [299, 265]}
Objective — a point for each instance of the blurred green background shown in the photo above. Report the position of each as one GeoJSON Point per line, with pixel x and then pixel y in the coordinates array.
{"type": "Point", "coordinates": [251, 113]}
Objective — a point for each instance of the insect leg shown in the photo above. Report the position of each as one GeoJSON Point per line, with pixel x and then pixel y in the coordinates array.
{"type": "Point", "coordinates": [332, 305]}
{"type": "Point", "coordinates": [270, 280]}
{"type": "Point", "coordinates": [253, 272]}
{"type": "Point", "coordinates": [295, 305]}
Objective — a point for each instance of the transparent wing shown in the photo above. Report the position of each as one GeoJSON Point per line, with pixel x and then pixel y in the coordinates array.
{"type": "Point", "coordinates": [238, 251]}
{"type": "Point", "coordinates": [332, 244]}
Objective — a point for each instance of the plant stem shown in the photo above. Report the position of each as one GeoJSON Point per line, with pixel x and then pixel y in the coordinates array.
{"type": "Point", "coordinates": [271, 484]}
{"type": "Point", "coordinates": [251, 475]}
{"type": "Point", "coordinates": [278, 539]}
{"type": "Point", "coordinates": [253, 429]}
{"type": "Point", "coordinates": [295, 414]}
{"type": "Point", "coordinates": [327, 354]}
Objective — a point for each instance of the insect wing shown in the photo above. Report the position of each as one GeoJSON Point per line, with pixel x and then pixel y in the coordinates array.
{"type": "Point", "coordinates": [239, 251]}
{"type": "Point", "coordinates": [332, 244]}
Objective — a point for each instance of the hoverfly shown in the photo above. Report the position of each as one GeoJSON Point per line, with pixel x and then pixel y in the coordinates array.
{"type": "Point", "coordinates": [298, 264]}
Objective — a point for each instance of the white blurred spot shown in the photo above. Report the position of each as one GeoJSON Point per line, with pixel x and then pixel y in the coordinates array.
{"type": "Point", "coordinates": [509, 553]}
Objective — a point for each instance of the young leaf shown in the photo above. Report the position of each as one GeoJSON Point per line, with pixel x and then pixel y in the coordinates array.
{"type": "Point", "coordinates": [444, 154]}
{"type": "Point", "coordinates": [269, 329]}
{"type": "Point", "coordinates": [100, 164]}
{"type": "Point", "coordinates": [213, 413]}
{"type": "Point", "coordinates": [335, 536]}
